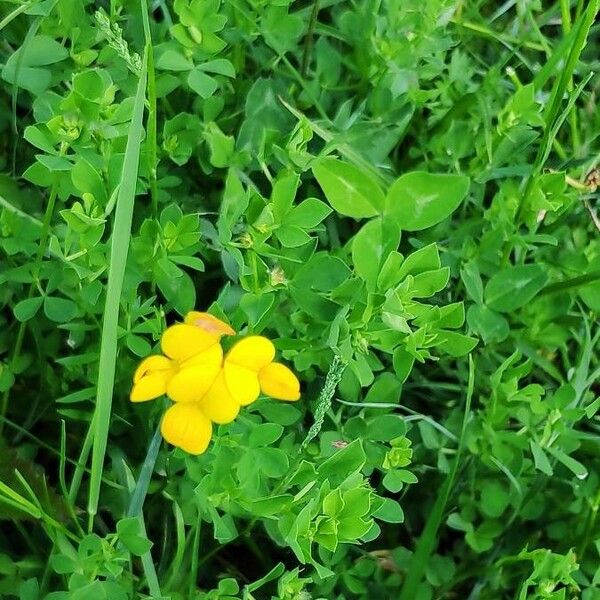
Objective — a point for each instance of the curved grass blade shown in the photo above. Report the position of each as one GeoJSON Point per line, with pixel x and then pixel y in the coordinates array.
{"type": "Point", "coordinates": [119, 247]}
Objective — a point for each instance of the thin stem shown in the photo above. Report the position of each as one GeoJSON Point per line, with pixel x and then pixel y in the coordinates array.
{"type": "Point", "coordinates": [560, 286]}
{"type": "Point", "coordinates": [14, 14]}
{"type": "Point", "coordinates": [141, 488]}
{"type": "Point", "coordinates": [195, 551]}
{"type": "Point", "coordinates": [151, 121]}
{"type": "Point", "coordinates": [308, 40]}
{"type": "Point", "coordinates": [35, 276]}
{"type": "Point", "coordinates": [136, 505]}
{"type": "Point", "coordinates": [565, 13]}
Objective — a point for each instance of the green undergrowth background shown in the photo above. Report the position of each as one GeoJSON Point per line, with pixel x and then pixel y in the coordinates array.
{"type": "Point", "coordinates": [400, 194]}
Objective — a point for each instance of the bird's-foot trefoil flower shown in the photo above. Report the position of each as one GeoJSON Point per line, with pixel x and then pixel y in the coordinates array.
{"type": "Point", "coordinates": [207, 386]}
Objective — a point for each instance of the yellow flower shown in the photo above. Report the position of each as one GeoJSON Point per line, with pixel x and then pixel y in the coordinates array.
{"type": "Point", "coordinates": [206, 386]}
{"type": "Point", "coordinates": [248, 369]}
{"type": "Point", "coordinates": [186, 346]}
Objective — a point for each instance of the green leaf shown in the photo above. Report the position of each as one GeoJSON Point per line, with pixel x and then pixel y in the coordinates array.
{"type": "Point", "coordinates": [308, 214]}
{"type": "Point", "coordinates": [221, 146]}
{"type": "Point", "coordinates": [192, 262]}
{"type": "Point", "coordinates": [390, 512]}
{"type": "Point", "coordinates": [291, 236]}
{"type": "Point", "coordinates": [87, 180]}
{"type": "Point", "coordinates": [494, 498]}
{"type": "Point", "coordinates": [490, 325]}
{"type": "Point", "coordinates": [204, 85]}
{"type": "Point", "coordinates": [221, 66]}
{"type": "Point", "coordinates": [37, 137]}
{"type": "Point", "coordinates": [351, 191]}
{"type": "Point", "coordinates": [421, 260]}
{"type": "Point", "coordinates": [514, 286]}
{"type": "Point", "coordinates": [279, 412]}
{"type": "Point", "coordinates": [429, 283]}
{"type": "Point", "coordinates": [26, 309]}
{"type": "Point", "coordinates": [385, 428]}
{"type": "Point", "coordinates": [271, 505]}
{"type": "Point", "coordinates": [130, 532]}
{"type": "Point", "coordinates": [540, 459]}
{"type": "Point", "coordinates": [265, 434]}
{"type": "Point", "coordinates": [343, 463]}
{"type": "Point", "coordinates": [22, 66]}
{"type": "Point", "coordinates": [138, 345]}
{"type": "Point", "coordinates": [256, 307]}
{"type": "Point", "coordinates": [389, 275]}
{"type": "Point", "coordinates": [395, 480]}
{"type": "Point", "coordinates": [370, 245]}
{"type": "Point", "coordinates": [273, 462]}
{"type": "Point", "coordinates": [170, 60]}
{"type": "Point", "coordinates": [471, 278]}
{"type": "Point", "coordinates": [579, 470]}
{"type": "Point", "coordinates": [59, 310]}
{"type": "Point", "coordinates": [456, 344]}
{"type": "Point", "coordinates": [403, 363]}
{"type": "Point", "coordinates": [419, 200]}
{"type": "Point", "coordinates": [234, 204]}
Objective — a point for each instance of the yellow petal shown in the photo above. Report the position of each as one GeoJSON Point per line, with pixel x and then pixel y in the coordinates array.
{"type": "Point", "coordinates": [190, 384]}
{"type": "Point", "coordinates": [149, 387]}
{"type": "Point", "coordinates": [181, 341]}
{"type": "Point", "coordinates": [156, 362]}
{"type": "Point", "coordinates": [213, 356]}
{"type": "Point", "coordinates": [242, 383]}
{"type": "Point", "coordinates": [209, 323]}
{"type": "Point", "coordinates": [186, 426]}
{"type": "Point", "coordinates": [218, 404]}
{"type": "Point", "coordinates": [279, 382]}
{"type": "Point", "coordinates": [254, 353]}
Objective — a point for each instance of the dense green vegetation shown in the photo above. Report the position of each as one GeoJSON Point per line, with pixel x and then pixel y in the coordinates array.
{"type": "Point", "coordinates": [401, 195]}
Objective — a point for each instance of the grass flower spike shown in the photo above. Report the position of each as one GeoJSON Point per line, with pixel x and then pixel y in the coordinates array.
{"type": "Point", "coordinates": [206, 385]}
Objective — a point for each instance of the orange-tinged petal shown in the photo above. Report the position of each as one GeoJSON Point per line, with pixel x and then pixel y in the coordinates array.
{"type": "Point", "coordinates": [209, 323]}
{"type": "Point", "coordinates": [190, 384]}
{"type": "Point", "coordinates": [218, 404]}
{"type": "Point", "coordinates": [186, 426]}
{"type": "Point", "coordinates": [242, 383]}
{"type": "Point", "coordinates": [213, 357]}
{"type": "Point", "coordinates": [253, 352]}
{"type": "Point", "coordinates": [279, 382]}
{"type": "Point", "coordinates": [181, 341]}
{"type": "Point", "coordinates": [150, 364]}
{"type": "Point", "coordinates": [149, 387]}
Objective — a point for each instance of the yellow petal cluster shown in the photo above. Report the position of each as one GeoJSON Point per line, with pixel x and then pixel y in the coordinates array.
{"type": "Point", "coordinates": [205, 385]}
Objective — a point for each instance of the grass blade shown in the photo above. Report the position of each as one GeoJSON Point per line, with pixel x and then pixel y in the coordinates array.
{"type": "Point", "coordinates": [428, 540]}
{"type": "Point", "coordinates": [120, 238]}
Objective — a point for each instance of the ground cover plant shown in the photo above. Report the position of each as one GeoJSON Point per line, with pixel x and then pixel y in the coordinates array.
{"type": "Point", "coordinates": [299, 299]}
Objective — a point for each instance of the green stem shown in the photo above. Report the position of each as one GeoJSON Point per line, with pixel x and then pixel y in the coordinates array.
{"type": "Point", "coordinates": [308, 40]}
{"type": "Point", "coordinates": [141, 488]}
{"type": "Point", "coordinates": [81, 463]}
{"type": "Point", "coordinates": [35, 273]}
{"type": "Point", "coordinates": [195, 552]}
{"type": "Point", "coordinates": [14, 14]}
{"type": "Point", "coordinates": [151, 122]}
{"type": "Point", "coordinates": [565, 13]}
{"type": "Point", "coordinates": [136, 505]}
{"type": "Point", "coordinates": [560, 286]}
